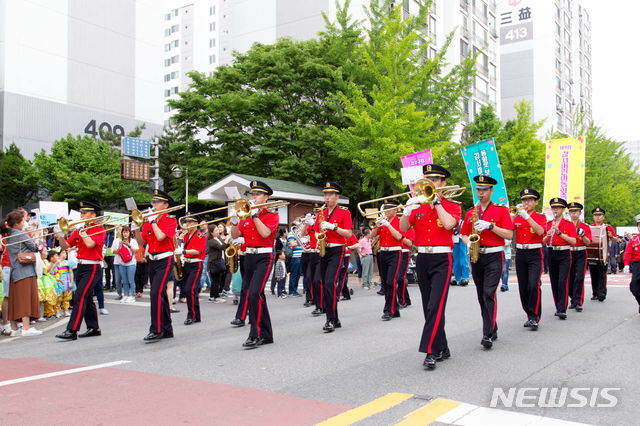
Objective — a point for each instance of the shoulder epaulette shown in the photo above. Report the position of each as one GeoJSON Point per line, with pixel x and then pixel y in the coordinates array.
{"type": "Point", "coordinates": [344, 208]}
{"type": "Point", "coordinates": [499, 204]}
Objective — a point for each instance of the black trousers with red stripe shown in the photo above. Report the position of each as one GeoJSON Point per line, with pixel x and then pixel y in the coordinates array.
{"type": "Point", "coordinates": [330, 266]}
{"type": "Point", "coordinates": [257, 268]}
{"type": "Point", "coordinates": [486, 273]}
{"type": "Point", "coordinates": [598, 273]}
{"type": "Point", "coordinates": [344, 278]}
{"type": "Point", "coordinates": [434, 274]}
{"type": "Point", "coordinates": [306, 279]}
{"type": "Point", "coordinates": [576, 277]}
{"type": "Point", "coordinates": [529, 264]}
{"type": "Point", "coordinates": [313, 270]}
{"type": "Point", "coordinates": [559, 266]}
{"type": "Point", "coordinates": [159, 274]}
{"type": "Point", "coordinates": [634, 286]}
{"type": "Point", "coordinates": [191, 283]}
{"type": "Point", "coordinates": [389, 268]}
{"type": "Point", "coordinates": [83, 307]}
{"type": "Point", "coordinates": [243, 300]}
{"type": "Point", "coordinates": [403, 290]}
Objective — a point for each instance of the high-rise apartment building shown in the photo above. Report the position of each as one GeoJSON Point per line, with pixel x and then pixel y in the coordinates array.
{"type": "Point", "coordinates": [546, 59]}
{"type": "Point", "coordinates": [78, 67]}
{"type": "Point", "coordinates": [191, 42]}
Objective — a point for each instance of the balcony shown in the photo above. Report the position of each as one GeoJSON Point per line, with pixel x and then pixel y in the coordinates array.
{"type": "Point", "coordinates": [464, 5]}
{"type": "Point", "coordinates": [482, 70]}
{"type": "Point", "coordinates": [483, 97]}
{"type": "Point", "coordinates": [493, 81]}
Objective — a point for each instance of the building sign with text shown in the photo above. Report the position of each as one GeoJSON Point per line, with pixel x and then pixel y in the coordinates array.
{"type": "Point", "coordinates": [516, 22]}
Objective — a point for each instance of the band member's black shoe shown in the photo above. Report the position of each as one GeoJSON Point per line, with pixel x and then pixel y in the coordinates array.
{"type": "Point", "coordinates": [486, 342]}
{"type": "Point", "coordinates": [336, 324]}
{"type": "Point", "coordinates": [572, 306]}
{"type": "Point", "coordinates": [527, 323]}
{"type": "Point", "coordinates": [494, 336]}
{"type": "Point", "coordinates": [534, 325]}
{"type": "Point", "coordinates": [68, 335]}
{"type": "Point", "coordinates": [91, 332]}
{"type": "Point", "coordinates": [237, 322]}
{"type": "Point", "coordinates": [263, 341]}
{"type": "Point", "coordinates": [601, 299]}
{"type": "Point", "coordinates": [316, 312]}
{"type": "Point", "coordinates": [579, 308]}
{"type": "Point", "coordinates": [385, 317]}
{"type": "Point", "coordinates": [251, 342]}
{"type": "Point", "coordinates": [561, 315]}
{"type": "Point", "coordinates": [594, 297]}
{"type": "Point", "coordinates": [430, 362]}
{"type": "Point", "coordinates": [188, 321]}
{"type": "Point", "coordinates": [328, 327]}
{"type": "Point", "coordinates": [380, 292]}
{"type": "Point", "coordinates": [153, 337]}
{"type": "Point", "coordinates": [443, 354]}
{"type": "Point", "coordinates": [307, 304]}
{"type": "Point", "coordinates": [167, 334]}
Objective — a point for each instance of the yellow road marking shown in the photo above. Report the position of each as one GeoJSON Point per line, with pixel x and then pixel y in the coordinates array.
{"type": "Point", "coordinates": [362, 412]}
{"type": "Point", "coordinates": [429, 413]}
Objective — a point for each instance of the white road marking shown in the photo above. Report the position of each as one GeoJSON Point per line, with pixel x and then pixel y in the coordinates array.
{"type": "Point", "coordinates": [61, 373]}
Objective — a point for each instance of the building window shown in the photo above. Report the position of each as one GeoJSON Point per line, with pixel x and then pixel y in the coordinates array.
{"type": "Point", "coordinates": [212, 26]}
{"type": "Point", "coordinates": [558, 66]}
{"type": "Point", "coordinates": [167, 47]}
{"type": "Point", "coordinates": [167, 93]}
{"type": "Point", "coordinates": [175, 12]}
{"type": "Point", "coordinates": [558, 102]}
{"type": "Point", "coordinates": [567, 107]}
{"type": "Point", "coordinates": [167, 108]}
{"type": "Point", "coordinates": [174, 90]}
{"type": "Point", "coordinates": [558, 30]}
{"type": "Point", "coordinates": [559, 83]}
{"type": "Point", "coordinates": [464, 48]}
{"type": "Point", "coordinates": [175, 43]}
{"type": "Point", "coordinates": [212, 10]}
{"type": "Point", "coordinates": [167, 77]}
{"type": "Point", "coordinates": [559, 120]}
{"type": "Point", "coordinates": [175, 28]}
{"type": "Point", "coordinates": [174, 74]}
{"type": "Point", "coordinates": [167, 32]}
{"type": "Point", "coordinates": [167, 17]}
{"type": "Point", "coordinates": [175, 59]}
{"type": "Point", "coordinates": [212, 59]}
{"type": "Point", "coordinates": [212, 43]}
{"type": "Point", "coordinates": [167, 62]}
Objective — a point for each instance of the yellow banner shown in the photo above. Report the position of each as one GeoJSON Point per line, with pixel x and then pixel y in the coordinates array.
{"type": "Point", "coordinates": [564, 171]}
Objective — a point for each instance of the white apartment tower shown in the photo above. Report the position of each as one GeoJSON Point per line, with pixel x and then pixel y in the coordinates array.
{"type": "Point", "coordinates": [546, 59]}
{"type": "Point", "coordinates": [190, 43]}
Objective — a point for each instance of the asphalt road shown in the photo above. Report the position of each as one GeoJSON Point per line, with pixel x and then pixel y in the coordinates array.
{"type": "Point", "coordinates": [369, 358]}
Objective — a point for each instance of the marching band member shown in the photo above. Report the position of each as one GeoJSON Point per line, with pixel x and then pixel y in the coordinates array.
{"type": "Point", "coordinates": [243, 300]}
{"type": "Point", "coordinates": [337, 226]}
{"type": "Point", "coordinates": [194, 249]}
{"type": "Point", "coordinates": [403, 292]}
{"type": "Point", "coordinates": [89, 243]}
{"type": "Point", "coordinates": [598, 271]}
{"type": "Point", "coordinates": [259, 233]}
{"type": "Point", "coordinates": [578, 257]}
{"type": "Point", "coordinates": [494, 225]}
{"type": "Point", "coordinates": [530, 228]}
{"type": "Point", "coordinates": [433, 224]}
{"type": "Point", "coordinates": [561, 234]}
{"type": "Point", "coordinates": [312, 271]}
{"type": "Point", "coordinates": [632, 263]}
{"type": "Point", "coordinates": [158, 234]}
{"type": "Point", "coordinates": [389, 257]}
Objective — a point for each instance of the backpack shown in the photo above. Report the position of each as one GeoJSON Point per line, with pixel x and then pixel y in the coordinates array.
{"type": "Point", "coordinates": [125, 253]}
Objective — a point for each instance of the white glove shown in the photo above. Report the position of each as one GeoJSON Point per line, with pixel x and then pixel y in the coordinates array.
{"type": "Point", "coordinates": [309, 219]}
{"type": "Point", "coordinates": [238, 241]}
{"type": "Point", "coordinates": [626, 269]}
{"type": "Point", "coordinates": [413, 200]}
{"type": "Point", "coordinates": [327, 225]}
{"type": "Point", "coordinates": [409, 208]}
{"type": "Point", "coordinates": [234, 220]}
{"type": "Point", "coordinates": [254, 212]}
{"type": "Point", "coordinates": [151, 218]}
{"type": "Point", "coordinates": [134, 227]}
{"type": "Point", "coordinates": [178, 251]}
{"type": "Point", "coordinates": [481, 225]}
{"type": "Point", "coordinates": [383, 222]}
{"type": "Point", "coordinates": [523, 214]}
{"type": "Point", "coordinates": [304, 240]}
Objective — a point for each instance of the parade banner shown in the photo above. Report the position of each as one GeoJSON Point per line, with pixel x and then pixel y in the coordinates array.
{"type": "Point", "coordinates": [565, 170]}
{"type": "Point", "coordinates": [415, 160]}
{"type": "Point", "coordinates": [481, 158]}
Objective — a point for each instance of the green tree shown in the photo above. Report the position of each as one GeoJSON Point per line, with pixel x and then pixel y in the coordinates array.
{"type": "Point", "coordinates": [412, 105]}
{"type": "Point", "coordinates": [18, 182]}
{"type": "Point", "coordinates": [82, 168]}
{"type": "Point", "coordinates": [485, 125]}
{"type": "Point", "coordinates": [521, 153]}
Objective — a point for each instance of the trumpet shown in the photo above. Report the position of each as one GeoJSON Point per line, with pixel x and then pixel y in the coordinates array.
{"type": "Point", "coordinates": [425, 191]}
{"type": "Point", "coordinates": [514, 209]}
{"type": "Point", "coordinates": [243, 210]}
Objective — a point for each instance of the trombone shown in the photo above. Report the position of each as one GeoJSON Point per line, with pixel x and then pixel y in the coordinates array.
{"type": "Point", "coordinates": [181, 220]}
{"type": "Point", "coordinates": [138, 218]}
{"type": "Point", "coordinates": [424, 190]}
{"type": "Point", "coordinates": [243, 210]}
{"type": "Point", "coordinates": [62, 223]}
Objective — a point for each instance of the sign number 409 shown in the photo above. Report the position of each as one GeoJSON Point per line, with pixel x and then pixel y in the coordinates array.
{"type": "Point", "coordinates": [103, 129]}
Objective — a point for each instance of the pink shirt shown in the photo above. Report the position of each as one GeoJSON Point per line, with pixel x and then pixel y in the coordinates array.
{"type": "Point", "coordinates": [365, 246]}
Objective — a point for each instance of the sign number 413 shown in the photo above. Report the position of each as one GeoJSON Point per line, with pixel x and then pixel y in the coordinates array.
{"type": "Point", "coordinates": [103, 129]}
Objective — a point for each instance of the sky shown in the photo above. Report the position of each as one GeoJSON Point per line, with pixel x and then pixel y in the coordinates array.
{"type": "Point", "coordinates": [615, 66]}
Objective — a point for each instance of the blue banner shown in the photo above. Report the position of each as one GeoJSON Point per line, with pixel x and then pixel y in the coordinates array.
{"type": "Point", "coordinates": [481, 158]}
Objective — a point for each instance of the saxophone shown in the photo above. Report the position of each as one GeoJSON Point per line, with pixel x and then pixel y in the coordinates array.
{"type": "Point", "coordinates": [232, 258]}
{"type": "Point", "coordinates": [321, 236]}
{"type": "Point", "coordinates": [474, 239]}
{"type": "Point", "coordinates": [375, 245]}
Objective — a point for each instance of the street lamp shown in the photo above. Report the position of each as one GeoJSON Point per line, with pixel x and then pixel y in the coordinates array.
{"type": "Point", "coordinates": [177, 173]}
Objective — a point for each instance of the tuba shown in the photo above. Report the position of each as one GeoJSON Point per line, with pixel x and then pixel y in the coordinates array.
{"type": "Point", "coordinates": [474, 239]}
